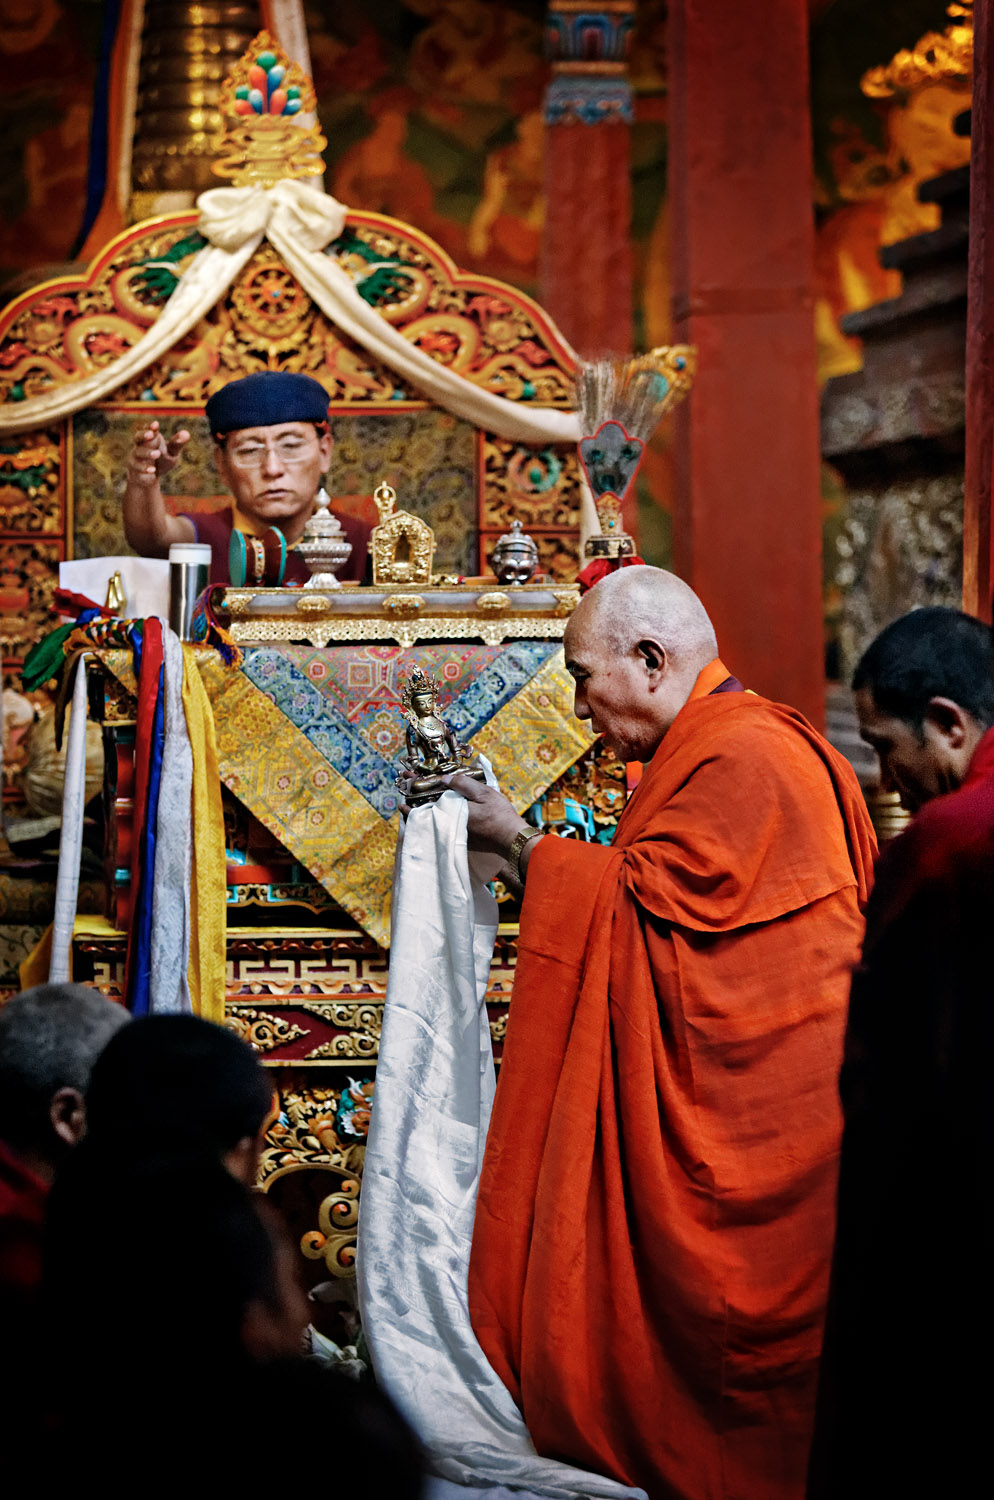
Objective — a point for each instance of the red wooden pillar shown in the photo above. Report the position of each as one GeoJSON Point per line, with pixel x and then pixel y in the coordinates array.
{"type": "Point", "coordinates": [586, 270]}
{"type": "Point", "coordinates": [978, 565]}
{"type": "Point", "coordinates": [747, 527]}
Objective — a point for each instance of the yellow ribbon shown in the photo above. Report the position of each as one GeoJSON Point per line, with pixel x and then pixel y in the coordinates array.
{"type": "Point", "coordinates": [208, 914]}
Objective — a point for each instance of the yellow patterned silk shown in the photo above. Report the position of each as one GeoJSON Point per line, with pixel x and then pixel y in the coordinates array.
{"type": "Point", "coordinates": [533, 739]}
{"type": "Point", "coordinates": [272, 767]}
{"type": "Point", "coordinates": [208, 908]}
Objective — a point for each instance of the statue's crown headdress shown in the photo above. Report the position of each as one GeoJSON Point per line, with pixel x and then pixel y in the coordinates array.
{"type": "Point", "coordinates": [419, 682]}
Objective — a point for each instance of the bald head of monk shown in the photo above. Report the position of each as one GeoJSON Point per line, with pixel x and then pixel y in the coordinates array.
{"type": "Point", "coordinates": [634, 646]}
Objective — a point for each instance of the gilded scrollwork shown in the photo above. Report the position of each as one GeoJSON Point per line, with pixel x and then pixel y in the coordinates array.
{"type": "Point", "coordinates": [357, 1044]}
{"type": "Point", "coordinates": [540, 487]}
{"type": "Point", "coordinates": [324, 1129]}
{"type": "Point", "coordinates": [501, 342]}
{"type": "Point", "coordinates": [360, 1015]}
{"type": "Point", "coordinates": [937, 57]}
{"type": "Point", "coordinates": [28, 575]}
{"type": "Point", "coordinates": [334, 1240]}
{"type": "Point", "coordinates": [31, 483]}
{"type": "Point", "coordinates": [263, 1031]}
{"type": "Point", "coordinates": [321, 631]}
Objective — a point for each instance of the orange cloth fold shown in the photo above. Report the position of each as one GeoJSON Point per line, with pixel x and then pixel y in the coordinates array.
{"type": "Point", "coordinates": [655, 1218]}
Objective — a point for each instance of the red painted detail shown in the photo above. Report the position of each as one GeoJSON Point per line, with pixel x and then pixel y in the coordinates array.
{"type": "Point", "coordinates": [586, 272]}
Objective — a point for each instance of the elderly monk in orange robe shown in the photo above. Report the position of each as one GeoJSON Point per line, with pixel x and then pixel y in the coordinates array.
{"type": "Point", "coordinates": [654, 1226]}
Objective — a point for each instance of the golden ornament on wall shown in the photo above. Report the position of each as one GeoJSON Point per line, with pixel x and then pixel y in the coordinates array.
{"type": "Point", "coordinates": [261, 98]}
{"type": "Point", "coordinates": [937, 57]}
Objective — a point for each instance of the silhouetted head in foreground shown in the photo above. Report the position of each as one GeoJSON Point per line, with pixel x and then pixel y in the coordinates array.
{"type": "Point", "coordinates": [174, 1084]}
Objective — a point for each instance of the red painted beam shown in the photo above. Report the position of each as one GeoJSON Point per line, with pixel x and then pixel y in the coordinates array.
{"type": "Point", "coordinates": [747, 524]}
{"type": "Point", "coordinates": [586, 241]}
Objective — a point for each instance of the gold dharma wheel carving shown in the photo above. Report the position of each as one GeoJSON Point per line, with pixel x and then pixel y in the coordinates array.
{"type": "Point", "coordinates": [270, 300]}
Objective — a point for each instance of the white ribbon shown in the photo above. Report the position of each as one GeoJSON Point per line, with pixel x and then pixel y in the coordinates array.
{"type": "Point", "coordinates": [169, 991]}
{"type": "Point", "coordinates": [71, 839]}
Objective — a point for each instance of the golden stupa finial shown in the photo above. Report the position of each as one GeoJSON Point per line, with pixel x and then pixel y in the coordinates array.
{"type": "Point", "coordinates": [937, 57]}
{"type": "Point", "coordinates": [385, 499]}
{"type": "Point", "coordinates": [261, 99]}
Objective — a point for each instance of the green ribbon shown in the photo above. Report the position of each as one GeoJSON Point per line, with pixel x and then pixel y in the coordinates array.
{"type": "Point", "coordinates": [46, 658]}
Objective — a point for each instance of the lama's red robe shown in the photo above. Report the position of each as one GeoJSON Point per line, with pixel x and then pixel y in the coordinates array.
{"type": "Point", "coordinates": [655, 1218]}
{"type": "Point", "coordinates": [905, 1393]}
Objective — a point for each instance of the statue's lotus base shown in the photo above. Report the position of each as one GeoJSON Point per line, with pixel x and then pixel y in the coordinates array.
{"type": "Point", "coordinates": [429, 788]}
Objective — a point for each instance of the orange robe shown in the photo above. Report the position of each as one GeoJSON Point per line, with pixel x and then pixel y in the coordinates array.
{"type": "Point", "coordinates": [655, 1218]}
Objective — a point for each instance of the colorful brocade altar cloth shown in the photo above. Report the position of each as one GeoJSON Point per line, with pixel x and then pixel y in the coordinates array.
{"type": "Point", "coordinates": [308, 740]}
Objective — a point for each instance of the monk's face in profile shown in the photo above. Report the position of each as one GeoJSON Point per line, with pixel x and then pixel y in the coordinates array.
{"type": "Point", "coordinates": [919, 762]}
{"type": "Point", "coordinates": [627, 692]}
{"type": "Point", "coordinates": [274, 473]}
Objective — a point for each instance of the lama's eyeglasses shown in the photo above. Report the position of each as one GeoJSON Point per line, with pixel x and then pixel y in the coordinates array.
{"type": "Point", "coordinates": [287, 450]}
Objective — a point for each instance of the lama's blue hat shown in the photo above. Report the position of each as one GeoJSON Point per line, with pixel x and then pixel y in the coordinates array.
{"type": "Point", "coordinates": [264, 399]}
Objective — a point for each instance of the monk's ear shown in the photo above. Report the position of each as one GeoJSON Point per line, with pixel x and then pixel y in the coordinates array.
{"type": "Point", "coordinates": [951, 721]}
{"type": "Point", "coordinates": [653, 657]}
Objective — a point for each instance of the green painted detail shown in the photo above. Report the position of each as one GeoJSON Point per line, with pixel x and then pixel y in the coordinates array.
{"type": "Point", "coordinates": [159, 278]}
{"type": "Point", "coordinates": [384, 281]}
{"type": "Point", "coordinates": [28, 480]}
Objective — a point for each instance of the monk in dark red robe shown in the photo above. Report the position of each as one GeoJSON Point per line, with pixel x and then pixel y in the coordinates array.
{"type": "Point", "coordinates": [902, 1409]}
{"type": "Point", "coordinates": [655, 1218]}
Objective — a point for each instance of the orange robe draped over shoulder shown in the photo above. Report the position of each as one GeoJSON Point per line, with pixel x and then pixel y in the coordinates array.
{"type": "Point", "coordinates": [654, 1227]}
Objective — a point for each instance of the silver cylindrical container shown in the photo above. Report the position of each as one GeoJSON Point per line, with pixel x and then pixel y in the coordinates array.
{"type": "Point", "coordinates": [189, 570]}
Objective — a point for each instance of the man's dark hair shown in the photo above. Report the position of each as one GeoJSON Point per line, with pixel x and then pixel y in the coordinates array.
{"type": "Point", "coordinates": [50, 1038]}
{"type": "Point", "coordinates": [930, 653]}
{"type": "Point", "coordinates": [176, 1082]}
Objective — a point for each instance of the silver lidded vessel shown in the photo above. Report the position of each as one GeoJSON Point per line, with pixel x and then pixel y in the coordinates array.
{"type": "Point", "coordinates": [324, 546]}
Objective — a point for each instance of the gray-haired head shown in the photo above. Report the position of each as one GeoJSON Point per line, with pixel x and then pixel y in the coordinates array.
{"type": "Point", "coordinates": [50, 1037]}
{"type": "Point", "coordinates": [638, 601]}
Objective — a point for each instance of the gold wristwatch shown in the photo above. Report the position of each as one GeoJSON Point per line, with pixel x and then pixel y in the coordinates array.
{"type": "Point", "coordinates": [517, 849]}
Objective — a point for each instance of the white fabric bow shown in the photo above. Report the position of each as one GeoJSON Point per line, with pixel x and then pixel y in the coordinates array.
{"type": "Point", "coordinates": [231, 216]}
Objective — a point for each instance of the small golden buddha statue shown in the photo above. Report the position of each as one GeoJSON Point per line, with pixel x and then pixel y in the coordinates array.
{"type": "Point", "coordinates": [432, 748]}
